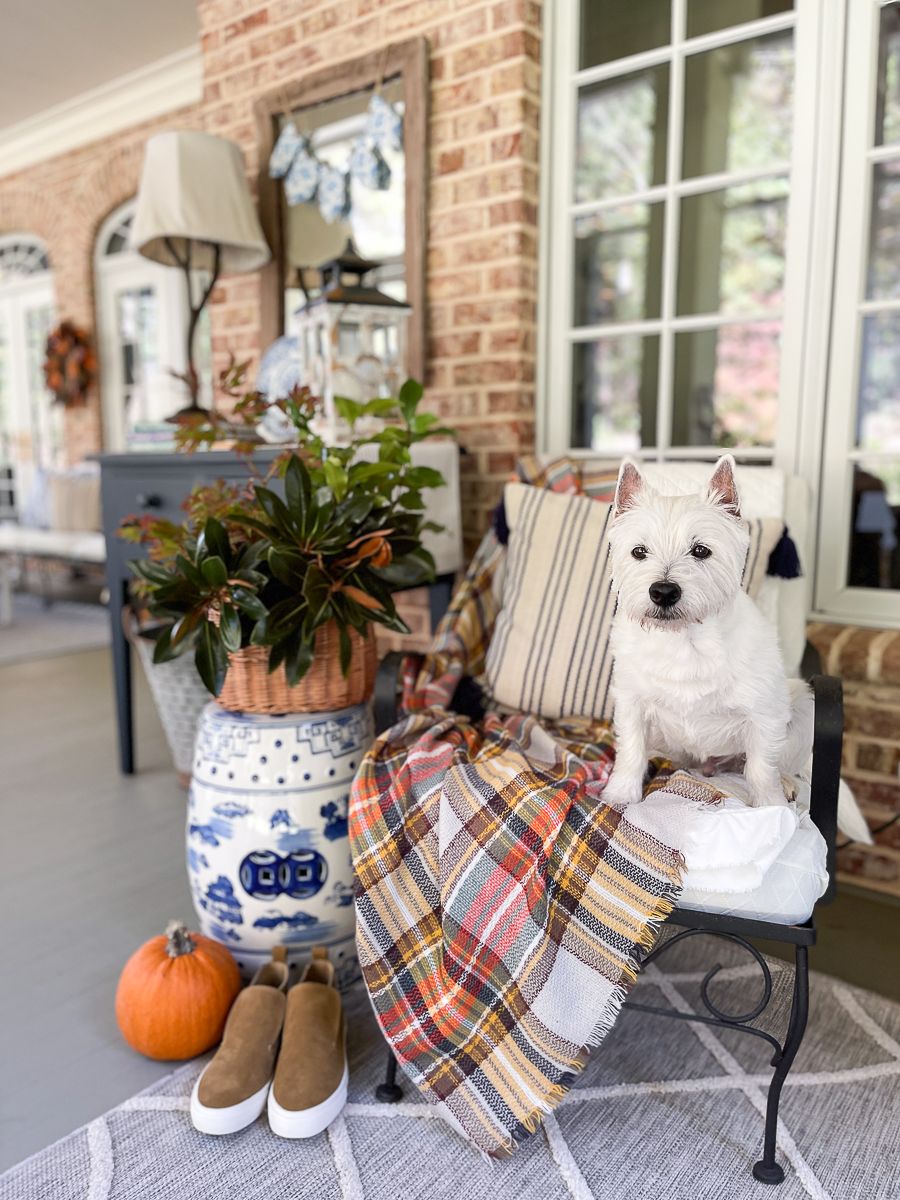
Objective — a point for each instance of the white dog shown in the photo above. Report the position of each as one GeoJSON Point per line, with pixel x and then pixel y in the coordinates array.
{"type": "Point", "coordinates": [698, 675]}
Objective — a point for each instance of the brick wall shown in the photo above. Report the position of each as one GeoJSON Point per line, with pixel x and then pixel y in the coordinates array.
{"type": "Point", "coordinates": [65, 201]}
{"type": "Point", "coordinates": [482, 204]}
{"type": "Point", "coordinates": [868, 662]}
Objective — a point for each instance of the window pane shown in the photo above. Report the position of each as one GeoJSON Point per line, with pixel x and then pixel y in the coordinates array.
{"type": "Point", "coordinates": [887, 101]}
{"type": "Point", "coordinates": [878, 419]}
{"type": "Point", "coordinates": [611, 29]}
{"type": "Point", "coordinates": [615, 387]}
{"type": "Point", "coordinates": [622, 135]}
{"type": "Point", "coordinates": [883, 282]}
{"type": "Point", "coordinates": [731, 249]}
{"type": "Point", "coordinates": [738, 103]}
{"type": "Point", "coordinates": [703, 16]}
{"type": "Point", "coordinates": [874, 558]}
{"type": "Point", "coordinates": [618, 264]}
{"type": "Point", "coordinates": [726, 386]}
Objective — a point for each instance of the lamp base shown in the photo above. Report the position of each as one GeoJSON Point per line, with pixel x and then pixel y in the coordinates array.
{"type": "Point", "coordinates": [189, 411]}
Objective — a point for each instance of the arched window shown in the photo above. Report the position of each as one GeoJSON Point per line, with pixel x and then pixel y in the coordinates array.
{"type": "Point", "coordinates": [142, 323]}
{"type": "Point", "coordinates": [31, 426]}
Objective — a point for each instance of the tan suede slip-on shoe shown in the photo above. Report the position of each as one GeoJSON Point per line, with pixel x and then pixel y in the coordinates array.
{"type": "Point", "coordinates": [231, 1092]}
{"type": "Point", "coordinates": [310, 1085]}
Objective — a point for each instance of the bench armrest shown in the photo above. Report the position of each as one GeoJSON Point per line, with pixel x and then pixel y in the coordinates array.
{"type": "Point", "coordinates": [388, 685]}
{"type": "Point", "coordinates": [826, 767]}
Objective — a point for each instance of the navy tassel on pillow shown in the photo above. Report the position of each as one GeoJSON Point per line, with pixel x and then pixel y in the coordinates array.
{"type": "Point", "coordinates": [784, 561]}
{"type": "Point", "coordinates": [499, 525]}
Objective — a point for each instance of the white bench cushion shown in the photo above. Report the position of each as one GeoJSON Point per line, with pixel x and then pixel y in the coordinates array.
{"type": "Point", "coordinates": [53, 543]}
{"type": "Point", "coordinates": [765, 863]}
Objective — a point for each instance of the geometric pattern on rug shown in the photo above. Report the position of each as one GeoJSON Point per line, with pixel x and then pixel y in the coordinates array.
{"type": "Point", "coordinates": [665, 1110]}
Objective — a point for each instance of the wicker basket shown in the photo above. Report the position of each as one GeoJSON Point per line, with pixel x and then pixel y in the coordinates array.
{"type": "Point", "coordinates": [250, 688]}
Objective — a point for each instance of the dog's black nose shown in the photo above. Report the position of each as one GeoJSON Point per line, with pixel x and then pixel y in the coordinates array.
{"type": "Point", "coordinates": [664, 593]}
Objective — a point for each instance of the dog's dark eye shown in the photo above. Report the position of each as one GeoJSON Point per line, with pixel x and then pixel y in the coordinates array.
{"type": "Point", "coordinates": [639, 552]}
{"type": "Point", "coordinates": [700, 551]}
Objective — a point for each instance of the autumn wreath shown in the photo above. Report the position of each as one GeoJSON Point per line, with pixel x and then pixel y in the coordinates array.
{"type": "Point", "coordinates": [70, 364]}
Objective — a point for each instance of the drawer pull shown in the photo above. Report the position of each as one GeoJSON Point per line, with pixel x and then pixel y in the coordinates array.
{"type": "Point", "coordinates": [149, 500]}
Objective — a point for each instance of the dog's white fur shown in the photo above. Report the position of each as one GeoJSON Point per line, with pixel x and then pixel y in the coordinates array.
{"type": "Point", "coordinates": [703, 680]}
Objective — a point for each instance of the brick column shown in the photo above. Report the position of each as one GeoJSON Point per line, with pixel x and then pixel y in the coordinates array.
{"type": "Point", "coordinates": [868, 663]}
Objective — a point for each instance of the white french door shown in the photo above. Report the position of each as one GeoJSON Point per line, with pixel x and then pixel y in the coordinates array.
{"type": "Point", "coordinates": [31, 425]}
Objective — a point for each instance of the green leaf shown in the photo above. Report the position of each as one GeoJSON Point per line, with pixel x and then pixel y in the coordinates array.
{"type": "Point", "coordinates": [409, 571]}
{"type": "Point", "coordinates": [337, 478]}
{"type": "Point", "coordinates": [230, 628]}
{"type": "Point", "coordinates": [379, 406]}
{"type": "Point", "coordinates": [249, 603]}
{"type": "Point", "coordinates": [411, 499]}
{"type": "Point", "coordinates": [410, 395]}
{"type": "Point", "coordinates": [162, 651]}
{"type": "Point", "coordinates": [189, 570]}
{"type": "Point", "coordinates": [285, 616]}
{"type": "Point", "coordinates": [346, 649]}
{"type": "Point", "coordinates": [298, 659]}
{"type": "Point", "coordinates": [315, 587]}
{"type": "Point", "coordinates": [350, 410]}
{"type": "Point", "coordinates": [185, 626]}
{"type": "Point", "coordinates": [211, 658]}
{"type": "Point", "coordinates": [297, 490]}
{"type": "Point", "coordinates": [274, 508]}
{"type": "Point", "coordinates": [362, 471]}
{"type": "Point", "coordinates": [419, 477]}
{"type": "Point", "coordinates": [422, 421]}
{"type": "Point", "coordinates": [289, 567]}
{"type": "Point", "coordinates": [154, 573]}
{"type": "Point", "coordinates": [214, 571]}
{"type": "Point", "coordinates": [216, 540]}
{"type": "Point", "coordinates": [354, 510]}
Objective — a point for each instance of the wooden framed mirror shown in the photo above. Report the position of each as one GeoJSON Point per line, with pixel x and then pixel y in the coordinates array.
{"type": "Point", "coordinates": [389, 226]}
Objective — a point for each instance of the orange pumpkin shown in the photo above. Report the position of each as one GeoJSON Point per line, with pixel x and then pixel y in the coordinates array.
{"type": "Point", "coordinates": [175, 993]}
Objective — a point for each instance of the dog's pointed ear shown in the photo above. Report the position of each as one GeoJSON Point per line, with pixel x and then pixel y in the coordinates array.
{"type": "Point", "coordinates": [630, 483]}
{"type": "Point", "coordinates": [723, 488]}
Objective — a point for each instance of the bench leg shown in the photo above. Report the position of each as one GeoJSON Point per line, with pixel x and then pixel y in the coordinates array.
{"type": "Point", "coordinates": [6, 597]}
{"type": "Point", "coordinates": [389, 1092]}
{"type": "Point", "coordinates": [767, 1170]}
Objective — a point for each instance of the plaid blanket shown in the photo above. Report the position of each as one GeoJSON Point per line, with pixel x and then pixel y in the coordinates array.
{"type": "Point", "coordinates": [502, 908]}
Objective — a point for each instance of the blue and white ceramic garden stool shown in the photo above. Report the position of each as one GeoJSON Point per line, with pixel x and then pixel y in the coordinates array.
{"type": "Point", "coordinates": [267, 846]}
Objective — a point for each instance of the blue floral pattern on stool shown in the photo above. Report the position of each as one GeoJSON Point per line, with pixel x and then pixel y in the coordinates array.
{"type": "Point", "coordinates": [268, 852]}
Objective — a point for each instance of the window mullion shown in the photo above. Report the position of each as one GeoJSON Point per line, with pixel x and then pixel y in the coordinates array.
{"type": "Point", "coordinates": [670, 240]}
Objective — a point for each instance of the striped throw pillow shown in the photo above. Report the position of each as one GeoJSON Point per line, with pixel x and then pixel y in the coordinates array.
{"type": "Point", "coordinates": [549, 654]}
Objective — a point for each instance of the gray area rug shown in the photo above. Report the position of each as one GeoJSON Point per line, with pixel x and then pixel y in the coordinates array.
{"type": "Point", "coordinates": [664, 1111]}
{"type": "Point", "coordinates": [41, 632]}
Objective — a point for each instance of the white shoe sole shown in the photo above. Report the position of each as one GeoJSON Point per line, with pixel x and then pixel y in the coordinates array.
{"type": "Point", "coordinates": [307, 1122]}
{"type": "Point", "coordinates": [226, 1120]}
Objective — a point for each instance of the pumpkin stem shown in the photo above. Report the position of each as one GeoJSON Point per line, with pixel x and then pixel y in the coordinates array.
{"type": "Point", "coordinates": [179, 940]}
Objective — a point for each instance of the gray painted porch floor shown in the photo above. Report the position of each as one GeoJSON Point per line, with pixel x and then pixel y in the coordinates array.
{"type": "Point", "coordinates": [92, 864]}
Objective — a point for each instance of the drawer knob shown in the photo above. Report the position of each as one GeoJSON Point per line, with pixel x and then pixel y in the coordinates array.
{"type": "Point", "coordinates": [149, 500]}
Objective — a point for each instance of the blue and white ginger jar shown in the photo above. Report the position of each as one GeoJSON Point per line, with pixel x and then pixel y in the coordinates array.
{"type": "Point", "coordinates": [268, 852]}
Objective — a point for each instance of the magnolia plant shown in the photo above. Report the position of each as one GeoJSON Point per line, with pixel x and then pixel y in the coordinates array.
{"type": "Point", "coordinates": [261, 570]}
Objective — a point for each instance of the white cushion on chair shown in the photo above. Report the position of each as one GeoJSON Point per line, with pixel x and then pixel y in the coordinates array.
{"type": "Point", "coordinates": [789, 890]}
{"type": "Point", "coordinates": [765, 863]}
